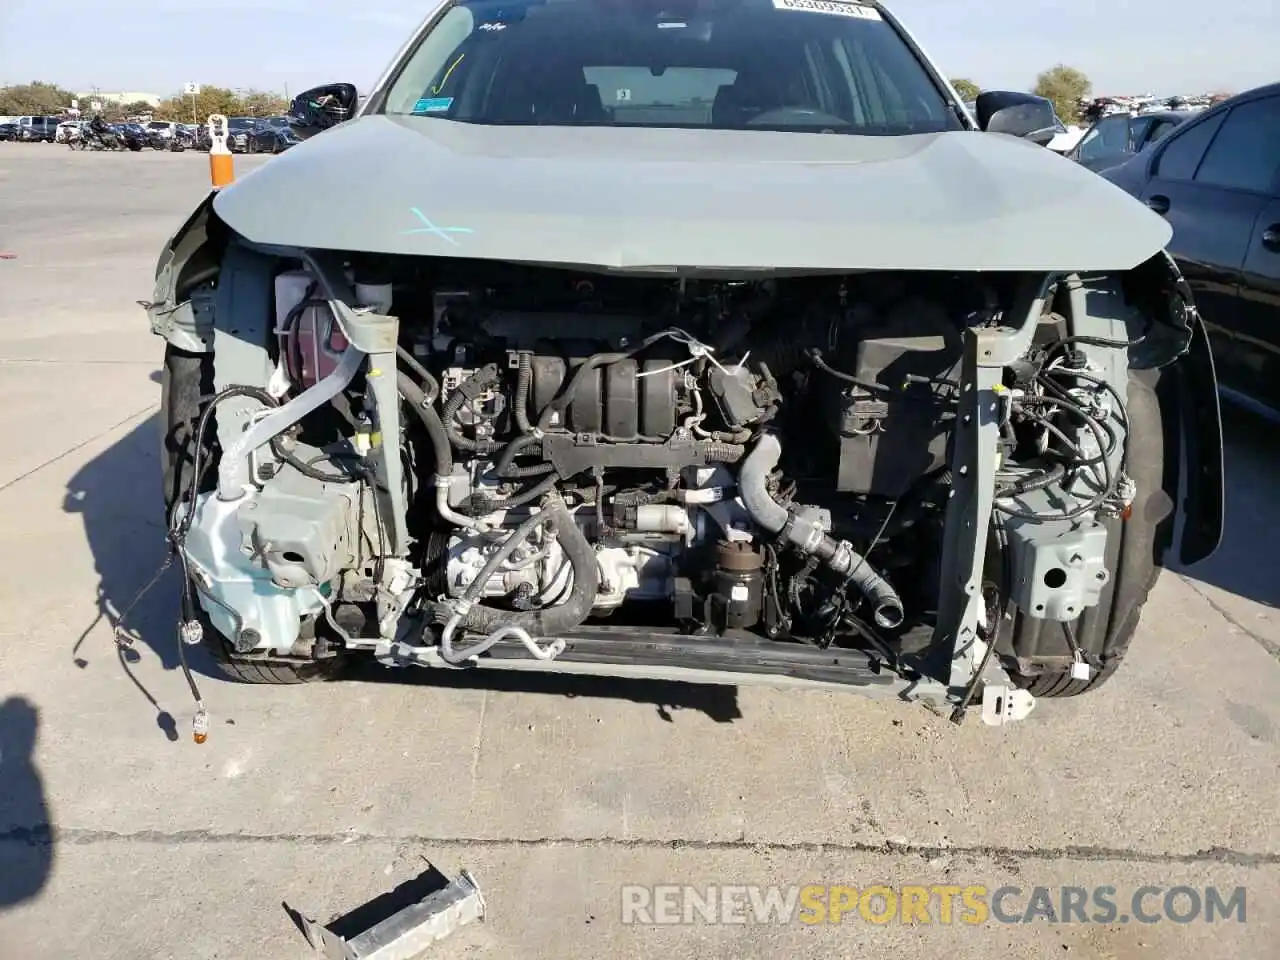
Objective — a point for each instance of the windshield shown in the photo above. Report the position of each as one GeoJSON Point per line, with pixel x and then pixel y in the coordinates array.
{"type": "Point", "coordinates": [815, 65]}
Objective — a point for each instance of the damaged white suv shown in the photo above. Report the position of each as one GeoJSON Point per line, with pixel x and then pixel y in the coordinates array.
{"type": "Point", "coordinates": [705, 339]}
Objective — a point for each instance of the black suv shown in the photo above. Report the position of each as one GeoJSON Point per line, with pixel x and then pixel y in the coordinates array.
{"type": "Point", "coordinates": [34, 129]}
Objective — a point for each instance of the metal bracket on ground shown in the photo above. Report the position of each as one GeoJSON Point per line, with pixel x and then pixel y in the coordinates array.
{"type": "Point", "coordinates": [406, 933]}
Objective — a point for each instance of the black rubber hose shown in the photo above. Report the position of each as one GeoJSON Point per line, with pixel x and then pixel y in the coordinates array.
{"type": "Point", "coordinates": [714, 451]}
{"type": "Point", "coordinates": [561, 401]}
{"type": "Point", "coordinates": [815, 355]}
{"type": "Point", "coordinates": [753, 483]}
{"type": "Point", "coordinates": [479, 505]}
{"type": "Point", "coordinates": [566, 395]}
{"type": "Point", "coordinates": [1038, 482]}
{"type": "Point", "coordinates": [180, 523]}
{"type": "Point", "coordinates": [426, 412]}
{"type": "Point", "coordinates": [554, 620]}
{"type": "Point", "coordinates": [429, 383]}
{"type": "Point", "coordinates": [524, 380]}
{"type": "Point", "coordinates": [808, 537]}
{"type": "Point", "coordinates": [527, 444]}
{"type": "Point", "coordinates": [307, 470]}
{"type": "Point", "coordinates": [533, 470]}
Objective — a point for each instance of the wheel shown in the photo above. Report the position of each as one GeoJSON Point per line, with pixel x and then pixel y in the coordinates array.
{"type": "Point", "coordinates": [267, 671]}
{"type": "Point", "coordinates": [185, 378]}
{"type": "Point", "coordinates": [1036, 652]}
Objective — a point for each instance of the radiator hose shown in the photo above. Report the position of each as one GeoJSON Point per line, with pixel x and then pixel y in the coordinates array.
{"type": "Point", "coordinates": [441, 449]}
{"type": "Point", "coordinates": [524, 626]}
{"type": "Point", "coordinates": [809, 537]}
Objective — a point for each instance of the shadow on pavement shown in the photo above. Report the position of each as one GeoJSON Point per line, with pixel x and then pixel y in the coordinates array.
{"type": "Point", "coordinates": [1245, 562]}
{"type": "Point", "coordinates": [26, 850]}
{"type": "Point", "coordinates": [718, 702]}
{"type": "Point", "coordinates": [118, 498]}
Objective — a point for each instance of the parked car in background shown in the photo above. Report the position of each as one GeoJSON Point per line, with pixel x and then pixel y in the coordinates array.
{"type": "Point", "coordinates": [272, 135]}
{"type": "Point", "coordinates": [238, 131]}
{"type": "Point", "coordinates": [1216, 179]}
{"type": "Point", "coordinates": [1114, 139]}
{"type": "Point", "coordinates": [162, 133]}
{"type": "Point", "coordinates": [37, 129]}
{"type": "Point", "coordinates": [1066, 139]}
{"type": "Point", "coordinates": [64, 130]}
{"type": "Point", "coordinates": [8, 131]}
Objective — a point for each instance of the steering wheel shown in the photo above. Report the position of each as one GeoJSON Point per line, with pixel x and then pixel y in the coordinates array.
{"type": "Point", "coordinates": [787, 116]}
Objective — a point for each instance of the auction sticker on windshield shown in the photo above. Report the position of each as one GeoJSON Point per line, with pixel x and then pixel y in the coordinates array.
{"type": "Point", "coordinates": [840, 8]}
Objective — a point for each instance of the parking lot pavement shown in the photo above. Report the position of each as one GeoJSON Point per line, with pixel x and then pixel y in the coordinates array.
{"type": "Point", "coordinates": [120, 838]}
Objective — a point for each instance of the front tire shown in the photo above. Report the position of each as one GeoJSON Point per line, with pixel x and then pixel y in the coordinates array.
{"type": "Point", "coordinates": [277, 672]}
{"type": "Point", "coordinates": [1037, 654]}
{"type": "Point", "coordinates": [187, 377]}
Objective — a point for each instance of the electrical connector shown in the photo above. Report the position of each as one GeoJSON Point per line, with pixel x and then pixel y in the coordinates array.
{"type": "Point", "coordinates": [1080, 670]}
{"type": "Point", "coordinates": [200, 724]}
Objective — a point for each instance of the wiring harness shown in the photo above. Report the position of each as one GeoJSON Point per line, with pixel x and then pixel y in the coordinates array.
{"type": "Point", "coordinates": [1074, 420]}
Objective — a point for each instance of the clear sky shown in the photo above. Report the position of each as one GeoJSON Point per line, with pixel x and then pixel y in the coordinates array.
{"type": "Point", "coordinates": [154, 46]}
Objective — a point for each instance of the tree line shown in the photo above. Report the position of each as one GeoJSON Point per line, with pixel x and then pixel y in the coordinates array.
{"type": "Point", "coordinates": [48, 99]}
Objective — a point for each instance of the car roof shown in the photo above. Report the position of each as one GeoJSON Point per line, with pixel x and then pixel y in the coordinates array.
{"type": "Point", "coordinates": [1270, 90]}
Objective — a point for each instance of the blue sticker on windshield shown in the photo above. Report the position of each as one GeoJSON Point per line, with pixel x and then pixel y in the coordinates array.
{"type": "Point", "coordinates": [433, 105]}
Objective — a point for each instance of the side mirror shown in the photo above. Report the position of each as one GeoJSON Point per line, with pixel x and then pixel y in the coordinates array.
{"type": "Point", "coordinates": [1017, 114]}
{"type": "Point", "coordinates": [322, 107]}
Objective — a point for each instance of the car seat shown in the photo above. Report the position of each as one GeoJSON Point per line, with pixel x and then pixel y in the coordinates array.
{"type": "Point", "coordinates": [538, 92]}
{"type": "Point", "coordinates": [749, 95]}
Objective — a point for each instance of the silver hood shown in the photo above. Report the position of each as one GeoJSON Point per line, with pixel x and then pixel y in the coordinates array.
{"type": "Point", "coordinates": [633, 198]}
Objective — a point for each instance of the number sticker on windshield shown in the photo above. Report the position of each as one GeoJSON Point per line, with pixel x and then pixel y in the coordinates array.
{"type": "Point", "coordinates": [840, 8]}
{"type": "Point", "coordinates": [433, 105]}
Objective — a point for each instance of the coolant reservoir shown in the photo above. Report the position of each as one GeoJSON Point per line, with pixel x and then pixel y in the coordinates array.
{"type": "Point", "coordinates": [311, 342]}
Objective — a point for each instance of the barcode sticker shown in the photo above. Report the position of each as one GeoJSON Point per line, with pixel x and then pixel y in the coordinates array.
{"type": "Point", "coordinates": [839, 8]}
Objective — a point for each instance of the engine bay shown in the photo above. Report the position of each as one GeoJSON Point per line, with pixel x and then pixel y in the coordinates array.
{"type": "Point", "coordinates": [757, 456]}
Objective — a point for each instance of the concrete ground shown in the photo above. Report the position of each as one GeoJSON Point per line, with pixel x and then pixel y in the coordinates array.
{"type": "Point", "coordinates": [120, 838]}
